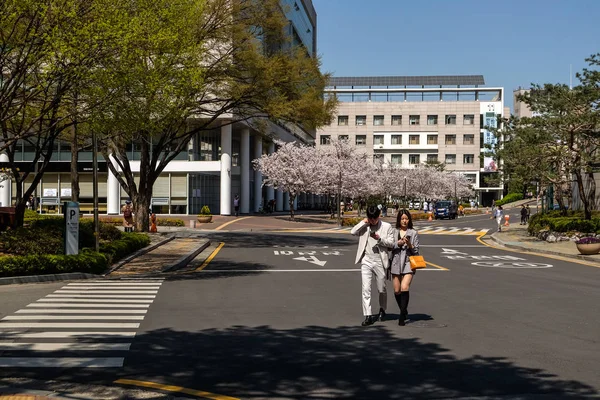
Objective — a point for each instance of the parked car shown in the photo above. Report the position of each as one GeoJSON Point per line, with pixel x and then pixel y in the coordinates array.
{"type": "Point", "coordinates": [445, 209]}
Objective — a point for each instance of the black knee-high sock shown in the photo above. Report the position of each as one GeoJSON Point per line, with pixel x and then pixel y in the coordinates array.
{"type": "Point", "coordinates": [404, 297]}
{"type": "Point", "coordinates": [398, 296]}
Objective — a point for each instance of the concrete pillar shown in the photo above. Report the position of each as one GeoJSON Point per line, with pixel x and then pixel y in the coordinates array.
{"type": "Point", "coordinates": [5, 186]}
{"type": "Point", "coordinates": [257, 174]}
{"type": "Point", "coordinates": [296, 204]}
{"type": "Point", "coordinates": [286, 201]}
{"type": "Point", "coordinates": [270, 190]}
{"type": "Point", "coordinates": [279, 200]}
{"type": "Point", "coordinates": [245, 171]}
{"type": "Point", "coordinates": [113, 192]}
{"type": "Point", "coordinates": [226, 170]}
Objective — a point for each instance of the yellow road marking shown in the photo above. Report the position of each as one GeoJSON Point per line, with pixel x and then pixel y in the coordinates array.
{"type": "Point", "coordinates": [231, 222]}
{"type": "Point", "coordinates": [209, 259]}
{"type": "Point", "coordinates": [560, 258]}
{"type": "Point", "coordinates": [176, 389]}
{"type": "Point", "coordinates": [436, 266]}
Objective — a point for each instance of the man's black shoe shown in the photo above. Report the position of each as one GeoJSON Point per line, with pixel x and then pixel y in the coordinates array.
{"type": "Point", "coordinates": [368, 321]}
{"type": "Point", "coordinates": [381, 315]}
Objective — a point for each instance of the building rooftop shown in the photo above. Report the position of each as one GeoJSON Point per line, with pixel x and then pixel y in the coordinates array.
{"type": "Point", "coordinates": [433, 80]}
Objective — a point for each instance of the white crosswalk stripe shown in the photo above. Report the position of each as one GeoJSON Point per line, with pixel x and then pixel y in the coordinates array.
{"type": "Point", "coordinates": [81, 325]}
{"type": "Point", "coordinates": [422, 229]}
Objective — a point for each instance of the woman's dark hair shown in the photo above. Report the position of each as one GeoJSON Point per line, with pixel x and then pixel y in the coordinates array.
{"type": "Point", "coordinates": [400, 214]}
{"type": "Point", "coordinates": [373, 211]}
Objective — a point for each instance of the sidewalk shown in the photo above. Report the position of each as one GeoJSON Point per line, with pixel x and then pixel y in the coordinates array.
{"type": "Point", "coordinates": [516, 237]}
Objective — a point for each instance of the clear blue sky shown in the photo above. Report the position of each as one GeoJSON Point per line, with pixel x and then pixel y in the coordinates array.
{"type": "Point", "coordinates": [511, 43]}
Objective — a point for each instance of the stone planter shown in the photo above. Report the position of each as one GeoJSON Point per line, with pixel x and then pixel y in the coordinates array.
{"type": "Point", "coordinates": [204, 219]}
{"type": "Point", "coordinates": [589, 248]}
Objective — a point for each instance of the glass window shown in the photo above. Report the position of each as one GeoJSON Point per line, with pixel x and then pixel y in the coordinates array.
{"type": "Point", "coordinates": [432, 139]}
{"type": "Point", "coordinates": [397, 159]}
{"type": "Point", "coordinates": [325, 139]}
{"type": "Point", "coordinates": [396, 139]}
{"type": "Point", "coordinates": [432, 120]}
{"type": "Point", "coordinates": [343, 120]}
{"type": "Point", "coordinates": [451, 119]}
{"type": "Point", "coordinates": [377, 139]}
{"type": "Point", "coordinates": [361, 120]}
{"type": "Point", "coordinates": [450, 139]}
{"type": "Point", "coordinates": [378, 120]}
{"type": "Point", "coordinates": [468, 158]}
{"type": "Point", "coordinates": [414, 159]}
{"type": "Point", "coordinates": [413, 139]}
{"type": "Point", "coordinates": [396, 119]}
{"type": "Point", "coordinates": [343, 137]}
{"type": "Point", "coordinates": [414, 119]}
{"type": "Point", "coordinates": [361, 140]}
{"type": "Point", "coordinates": [450, 158]}
{"type": "Point", "coordinates": [378, 158]}
{"type": "Point", "coordinates": [432, 158]}
{"type": "Point", "coordinates": [469, 139]}
{"type": "Point", "coordinates": [468, 119]}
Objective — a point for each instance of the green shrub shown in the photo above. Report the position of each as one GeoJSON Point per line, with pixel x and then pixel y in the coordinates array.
{"type": "Point", "coordinates": [557, 223]}
{"type": "Point", "coordinates": [509, 198]}
{"type": "Point", "coordinates": [87, 262]}
{"type": "Point", "coordinates": [205, 211]}
{"type": "Point", "coordinates": [351, 221]}
{"type": "Point", "coordinates": [129, 243]}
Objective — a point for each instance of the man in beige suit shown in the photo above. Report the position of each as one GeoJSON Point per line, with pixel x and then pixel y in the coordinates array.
{"type": "Point", "coordinates": [376, 238]}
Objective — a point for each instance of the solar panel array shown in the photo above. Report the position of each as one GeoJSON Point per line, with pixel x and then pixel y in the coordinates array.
{"type": "Point", "coordinates": [432, 80]}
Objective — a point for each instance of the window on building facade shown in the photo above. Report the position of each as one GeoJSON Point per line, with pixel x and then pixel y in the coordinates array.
{"type": "Point", "coordinates": [468, 158]}
{"type": "Point", "coordinates": [432, 158]}
{"type": "Point", "coordinates": [469, 139]}
{"type": "Point", "coordinates": [470, 177]}
{"type": "Point", "coordinates": [343, 137]}
{"type": "Point", "coordinates": [414, 159]}
{"type": "Point", "coordinates": [397, 159]}
{"type": "Point", "coordinates": [343, 120]}
{"type": "Point", "coordinates": [361, 140]}
{"type": "Point", "coordinates": [450, 159]}
{"type": "Point", "coordinates": [414, 119]}
{"type": "Point", "coordinates": [378, 120]}
{"type": "Point", "coordinates": [378, 158]}
{"type": "Point", "coordinates": [432, 139]}
{"type": "Point", "coordinates": [377, 139]}
{"type": "Point", "coordinates": [451, 119]}
{"type": "Point", "coordinates": [325, 139]}
{"type": "Point", "coordinates": [396, 139]}
{"type": "Point", "coordinates": [396, 119]}
{"type": "Point", "coordinates": [450, 139]}
{"type": "Point", "coordinates": [468, 119]}
{"type": "Point", "coordinates": [361, 120]}
{"type": "Point", "coordinates": [432, 120]}
{"type": "Point", "coordinates": [413, 139]}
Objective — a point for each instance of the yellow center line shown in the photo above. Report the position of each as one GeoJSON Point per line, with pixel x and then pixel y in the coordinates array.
{"type": "Point", "coordinates": [560, 258]}
{"type": "Point", "coordinates": [176, 389]}
{"type": "Point", "coordinates": [436, 266]}
{"type": "Point", "coordinates": [209, 259]}
{"type": "Point", "coordinates": [231, 222]}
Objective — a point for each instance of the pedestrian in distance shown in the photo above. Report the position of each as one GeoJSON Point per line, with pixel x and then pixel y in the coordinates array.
{"type": "Point", "coordinates": [127, 211]}
{"type": "Point", "coordinates": [236, 205]}
{"type": "Point", "coordinates": [376, 238]}
{"type": "Point", "coordinates": [523, 215]}
{"type": "Point", "coordinates": [406, 244]}
{"type": "Point", "coordinates": [499, 215]}
{"type": "Point", "coordinates": [528, 213]}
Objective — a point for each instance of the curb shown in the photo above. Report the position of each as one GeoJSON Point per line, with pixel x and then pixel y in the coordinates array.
{"type": "Point", "coordinates": [185, 260]}
{"type": "Point", "coordinates": [138, 253]}
{"type": "Point", "coordinates": [11, 280]}
{"type": "Point", "coordinates": [536, 251]}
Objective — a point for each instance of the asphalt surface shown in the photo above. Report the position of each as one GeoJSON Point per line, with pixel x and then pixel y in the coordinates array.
{"type": "Point", "coordinates": [267, 319]}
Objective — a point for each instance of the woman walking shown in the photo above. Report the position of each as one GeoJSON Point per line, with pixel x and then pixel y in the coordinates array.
{"type": "Point", "coordinates": [406, 244]}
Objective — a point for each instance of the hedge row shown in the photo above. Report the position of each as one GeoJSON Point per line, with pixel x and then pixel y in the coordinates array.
{"type": "Point", "coordinates": [129, 242]}
{"type": "Point", "coordinates": [42, 264]}
{"type": "Point", "coordinates": [555, 222]}
{"type": "Point", "coordinates": [118, 221]}
{"type": "Point", "coordinates": [509, 198]}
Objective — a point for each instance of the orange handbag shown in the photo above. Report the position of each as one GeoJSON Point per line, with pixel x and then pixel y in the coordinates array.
{"type": "Point", "coordinates": [417, 262]}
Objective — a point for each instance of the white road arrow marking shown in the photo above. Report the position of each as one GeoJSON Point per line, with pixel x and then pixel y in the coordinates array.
{"type": "Point", "coordinates": [312, 260]}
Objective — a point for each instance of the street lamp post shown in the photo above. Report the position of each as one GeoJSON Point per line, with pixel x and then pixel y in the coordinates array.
{"type": "Point", "coordinates": [405, 199]}
{"type": "Point", "coordinates": [95, 189]}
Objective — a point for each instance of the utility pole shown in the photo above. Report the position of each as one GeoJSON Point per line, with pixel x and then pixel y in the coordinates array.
{"type": "Point", "coordinates": [405, 199]}
{"type": "Point", "coordinates": [95, 188]}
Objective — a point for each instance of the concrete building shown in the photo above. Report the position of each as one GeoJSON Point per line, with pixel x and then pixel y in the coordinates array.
{"type": "Point", "coordinates": [216, 166]}
{"type": "Point", "coordinates": [521, 109]}
{"type": "Point", "coordinates": [411, 120]}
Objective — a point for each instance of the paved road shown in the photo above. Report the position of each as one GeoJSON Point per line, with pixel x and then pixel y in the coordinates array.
{"type": "Point", "coordinates": [266, 319]}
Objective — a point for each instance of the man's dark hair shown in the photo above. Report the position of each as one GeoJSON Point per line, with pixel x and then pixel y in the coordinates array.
{"type": "Point", "coordinates": [373, 211]}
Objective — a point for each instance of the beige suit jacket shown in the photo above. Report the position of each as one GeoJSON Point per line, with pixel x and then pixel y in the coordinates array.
{"type": "Point", "coordinates": [385, 243]}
